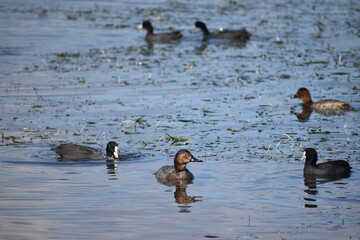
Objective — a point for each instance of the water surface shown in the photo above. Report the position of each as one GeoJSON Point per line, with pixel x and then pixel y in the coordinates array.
{"type": "Point", "coordinates": [81, 72]}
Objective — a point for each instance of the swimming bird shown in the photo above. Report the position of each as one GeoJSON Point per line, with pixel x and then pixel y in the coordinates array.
{"type": "Point", "coordinates": [165, 37]}
{"type": "Point", "coordinates": [331, 169]}
{"type": "Point", "coordinates": [79, 152]}
{"type": "Point", "coordinates": [240, 34]}
{"type": "Point", "coordinates": [179, 170]}
{"type": "Point", "coordinates": [327, 104]}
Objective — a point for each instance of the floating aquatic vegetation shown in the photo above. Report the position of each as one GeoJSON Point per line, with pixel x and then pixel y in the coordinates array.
{"type": "Point", "coordinates": [186, 121]}
{"type": "Point", "coordinates": [233, 130]}
{"type": "Point", "coordinates": [11, 139]}
{"type": "Point", "coordinates": [316, 62]}
{"type": "Point", "coordinates": [285, 76]}
{"type": "Point", "coordinates": [130, 123]}
{"type": "Point", "coordinates": [340, 73]}
{"type": "Point", "coordinates": [36, 106]}
{"type": "Point", "coordinates": [249, 97]}
{"type": "Point", "coordinates": [146, 146]}
{"type": "Point", "coordinates": [177, 141]}
{"type": "Point", "coordinates": [313, 130]}
{"type": "Point", "coordinates": [206, 111]}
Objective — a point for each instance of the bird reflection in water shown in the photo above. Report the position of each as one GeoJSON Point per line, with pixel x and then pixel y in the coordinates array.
{"type": "Point", "coordinates": [112, 166]}
{"type": "Point", "coordinates": [321, 173]}
{"type": "Point", "coordinates": [182, 198]}
{"type": "Point", "coordinates": [180, 194]}
{"type": "Point", "coordinates": [203, 47]}
{"type": "Point", "coordinates": [147, 50]}
{"type": "Point", "coordinates": [311, 183]}
{"type": "Point", "coordinates": [306, 113]}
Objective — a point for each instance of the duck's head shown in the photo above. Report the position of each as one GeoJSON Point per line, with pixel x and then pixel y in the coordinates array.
{"type": "Point", "coordinates": [112, 150]}
{"type": "Point", "coordinates": [182, 158]}
{"type": "Point", "coordinates": [304, 95]}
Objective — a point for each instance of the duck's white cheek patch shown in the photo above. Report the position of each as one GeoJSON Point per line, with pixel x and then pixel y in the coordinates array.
{"type": "Point", "coordinates": [116, 155]}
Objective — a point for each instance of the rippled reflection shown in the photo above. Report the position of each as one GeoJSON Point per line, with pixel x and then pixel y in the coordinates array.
{"type": "Point", "coordinates": [180, 195]}
{"type": "Point", "coordinates": [306, 113]}
{"type": "Point", "coordinates": [203, 47]}
{"type": "Point", "coordinates": [112, 167]}
{"type": "Point", "coordinates": [311, 184]}
{"type": "Point", "coordinates": [183, 199]}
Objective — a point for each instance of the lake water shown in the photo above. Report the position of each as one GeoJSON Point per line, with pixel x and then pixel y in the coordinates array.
{"type": "Point", "coordinates": [81, 72]}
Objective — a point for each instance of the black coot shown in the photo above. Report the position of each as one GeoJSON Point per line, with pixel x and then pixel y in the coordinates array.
{"type": "Point", "coordinates": [165, 37]}
{"type": "Point", "coordinates": [241, 34]}
{"type": "Point", "coordinates": [79, 152]}
{"type": "Point", "coordinates": [331, 169]}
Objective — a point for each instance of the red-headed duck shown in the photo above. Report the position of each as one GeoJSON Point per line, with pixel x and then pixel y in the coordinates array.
{"type": "Point", "coordinates": [179, 170]}
{"type": "Point", "coordinates": [165, 37]}
{"type": "Point", "coordinates": [78, 152]}
{"type": "Point", "coordinates": [241, 34]}
{"type": "Point", "coordinates": [331, 169]}
{"type": "Point", "coordinates": [327, 104]}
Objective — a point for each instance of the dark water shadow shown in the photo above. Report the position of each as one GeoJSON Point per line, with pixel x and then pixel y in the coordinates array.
{"type": "Point", "coordinates": [180, 195]}
{"type": "Point", "coordinates": [10, 51]}
{"type": "Point", "coordinates": [112, 167]}
{"type": "Point", "coordinates": [311, 183]}
{"type": "Point", "coordinates": [112, 164]}
{"type": "Point", "coordinates": [304, 116]}
{"type": "Point", "coordinates": [48, 158]}
{"type": "Point", "coordinates": [182, 198]}
{"type": "Point", "coordinates": [147, 50]}
{"type": "Point", "coordinates": [122, 158]}
{"type": "Point", "coordinates": [183, 182]}
{"type": "Point", "coordinates": [203, 46]}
